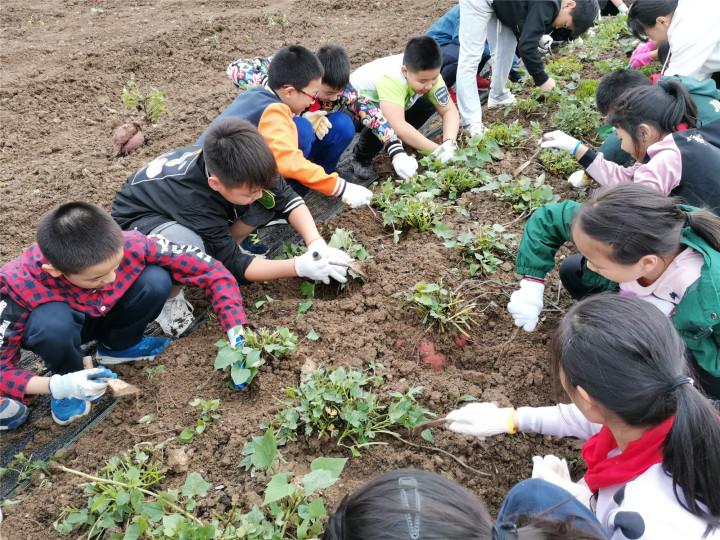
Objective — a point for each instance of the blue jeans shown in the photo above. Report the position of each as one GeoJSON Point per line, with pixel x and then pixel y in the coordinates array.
{"type": "Point", "coordinates": [54, 331]}
{"type": "Point", "coordinates": [326, 152]}
{"type": "Point", "coordinates": [536, 497]}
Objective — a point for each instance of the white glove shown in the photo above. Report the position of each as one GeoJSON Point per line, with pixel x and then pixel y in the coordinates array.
{"type": "Point", "coordinates": [405, 166]}
{"type": "Point", "coordinates": [476, 129]}
{"type": "Point", "coordinates": [545, 44]}
{"type": "Point", "coordinates": [579, 179]}
{"type": "Point", "coordinates": [319, 122]}
{"type": "Point", "coordinates": [314, 266]}
{"type": "Point", "coordinates": [445, 151]}
{"type": "Point", "coordinates": [84, 384]}
{"type": "Point", "coordinates": [622, 8]}
{"type": "Point", "coordinates": [482, 420]}
{"type": "Point", "coordinates": [555, 470]}
{"type": "Point", "coordinates": [356, 195]}
{"type": "Point", "coordinates": [339, 260]}
{"type": "Point", "coordinates": [560, 140]}
{"type": "Point", "coordinates": [526, 304]}
{"type": "Point", "coordinates": [236, 337]}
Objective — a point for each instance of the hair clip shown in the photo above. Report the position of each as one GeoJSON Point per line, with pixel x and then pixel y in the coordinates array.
{"type": "Point", "coordinates": [408, 483]}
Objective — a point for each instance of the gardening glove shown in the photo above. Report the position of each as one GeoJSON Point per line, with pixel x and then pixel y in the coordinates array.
{"type": "Point", "coordinates": [526, 304]}
{"type": "Point", "coordinates": [405, 166]}
{"type": "Point", "coordinates": [445, 151]}
{"type": "Point", "coordinates": [622, 8]}
{"type": "Point", "coordinates": [356, 195]}
{"type": "Point", "coordinates": [84, 384]}
{"type": "Point", "coordinates": [317, 268]}
{"type": "Point", "coordinates": [482, 420]}
{"type": "Point", "coordinates": [545, 44]}
{"type": "Point", "coordinates": [555, 470]}
{"type": "Point", "coordinates": [236, 337]}
{"type": "Point", "coordinates": [476, 129]}
{"type": "Point", "coordinates": [560, 140]}
{"type": "Point", "coordinates": [579, 179]}
{"type": "Point", "coordinates": [339, 260]}
{"type": "Point", "coordinates": [642, 55]}
{"type": "Point", "coordinates": [319, 122]}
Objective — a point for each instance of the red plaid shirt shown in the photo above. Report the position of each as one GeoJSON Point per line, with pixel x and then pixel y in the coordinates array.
{"type": "Point", "coordinates": [24, 285]}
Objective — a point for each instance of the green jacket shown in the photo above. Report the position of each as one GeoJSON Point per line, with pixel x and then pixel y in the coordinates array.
{"type": "Point", "coordinates": [696, 318]}
{"type": "Point", "coordinates": [707, 100]}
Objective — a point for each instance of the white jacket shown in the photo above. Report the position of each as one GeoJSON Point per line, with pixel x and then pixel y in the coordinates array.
{"type": "Point", "coordinates": [643, 509]}
{"type": "Point", "coordinates": [694, 37]}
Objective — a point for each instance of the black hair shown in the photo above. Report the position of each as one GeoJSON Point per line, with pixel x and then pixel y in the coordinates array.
{"type": "Point", "coordinates": [77, 235]}
{"type": "Point", "coordinates": [294, 66]}
{"type": "Point", "coordinates": [237, 155]}
{"type": "Point", "coordinates": [584, 15]}
{"type": "Point", "coordinates": [636, 220]}
{"type": "Point", "coordinates": [663, 50]}
{"type": "Point", "coordinates": [336, 66]}
{"type": "Point", "coordinates": [644, 13]}
{"type": "Point", "coordinates": [665, 106]}
{"type": "Point", "coordinates": [626, 354]}
{"type": "Point", "coordinates": [410, 503]}
{"type": "Point", "coordinates": [614, 84]}
{"type": "Point", "coordinates": [422, 53]}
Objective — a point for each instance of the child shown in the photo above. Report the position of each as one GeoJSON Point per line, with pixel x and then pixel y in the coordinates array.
{"type": "Point", "coordinates": [653, 466]}
{"type": "Point", "coordinates": [212, 197]}
{"type": "Point", "coordinates": [87, 280]}
{"type": "Point", "coordinates": [408, 89]}
{"type": "Point", "coordinates": [409, 503]}
{"type": "Point", "coordinates": [690, 27]}
{"type": "Point", "coordinates": [648, 121]}
{"type": "Point", "coordinates": [293, 84]}
{"type": "Point", "coordinates": [327, 128]}
{"type": "Point", "coordinates": [655, 249]}
{"type": "Point", "coordinates": [521, 24]}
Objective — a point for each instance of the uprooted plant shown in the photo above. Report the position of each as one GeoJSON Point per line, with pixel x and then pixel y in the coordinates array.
{"type": "Point", "coordinates": [153, 104]}
{"type": "Point", "coordinates": [482, 249]}
{"type": "Point", "coordinates": [439, 307]}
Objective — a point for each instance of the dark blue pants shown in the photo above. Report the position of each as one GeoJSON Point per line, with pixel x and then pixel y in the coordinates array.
{"type": "Point", "coordinates": [451, 54]}
{"type": "Point", "coordinates": [326, 152]}
{"type": "Point", "coordinates": [54, 331]}
{"type": "Point", "coordinates": [539, 498]}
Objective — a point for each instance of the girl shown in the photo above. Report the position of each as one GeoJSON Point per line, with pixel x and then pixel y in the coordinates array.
{"type": "Point", "coordinates": [655, 249]}
{"type": "Point", "coordinates": [653, 467]}
{"type": "Point", "coordinates": [691, 28]}
{"type": "Point", "coordinates": [410, 504]}
{"type": "Point", "coordinates": [654, 121]}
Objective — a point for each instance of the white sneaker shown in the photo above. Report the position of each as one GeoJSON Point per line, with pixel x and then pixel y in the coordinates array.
{"type": "Point", "coordinates": [495, 103]}
{"type": "Point", "coordinates": [176, 316]}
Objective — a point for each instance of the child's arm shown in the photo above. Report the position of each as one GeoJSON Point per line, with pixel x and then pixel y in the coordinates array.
{"type": "Point", "coordinates": [450, 120]}
{"type": "Point", "coordinates": [539, 19]}
{"type": "Point", "coordinates": [370, 116]}
{"type": "Point", "coordinates": [395, 115]}
{"type": "Point", "coordinates": [13, 381]}
{"type": "Point", "coordinates": [248, 72]}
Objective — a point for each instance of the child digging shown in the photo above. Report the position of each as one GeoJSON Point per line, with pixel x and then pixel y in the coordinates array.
{"type": "Point", "coordinates": [212, 197]}
{"type": "Point", "coordinates": [328, 126]}
{"type": "Point", "coordinates": [408, 88]}
{"type": "Point", "coordinates": [638, 240]}
{"type": "Point", "coordinates": [293, 84]}
{"type": "Point", "coordinates": [87, 280]}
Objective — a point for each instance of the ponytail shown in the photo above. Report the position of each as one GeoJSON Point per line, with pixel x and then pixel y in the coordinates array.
{"type": "Point", "coordinates": [643, 14]}
{"type": "Point", "coordinates": [664, 106]}
{"type": "Point", "coordinates": [628, 356]}
{"type": "Point", "coordinates": [706, 225]}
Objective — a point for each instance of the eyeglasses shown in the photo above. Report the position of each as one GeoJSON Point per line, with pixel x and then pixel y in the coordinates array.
{"type": "Point", "coordinates": [311, 96]}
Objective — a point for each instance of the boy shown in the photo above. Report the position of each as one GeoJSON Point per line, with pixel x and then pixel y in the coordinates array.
{"type": "Point", "coordinates": [520, 24]}
{"type": "Point", "coordinates": [293, 84]}
{"type": "Point", "coordinates": [87, 280]}
{"type": "Point", "coordinates": [213, 197]}
{"type": "Point", "coordinates": [408, 88]}
{"type": "Point", "coordinates": [327, 128]}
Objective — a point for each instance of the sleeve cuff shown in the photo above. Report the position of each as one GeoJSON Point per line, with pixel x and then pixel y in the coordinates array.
{"type": "Point", "coordinates": [587, 158]}
{"type": "Point", "coordinates": [540, 78]}
{"type": "Point", "coordinates": [394, 147]}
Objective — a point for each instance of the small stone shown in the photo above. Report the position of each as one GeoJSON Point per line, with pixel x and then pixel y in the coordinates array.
{"type": "Point", "coordinates": [308, 366]}
{"type": "Point", "coordinates": [178, 460]}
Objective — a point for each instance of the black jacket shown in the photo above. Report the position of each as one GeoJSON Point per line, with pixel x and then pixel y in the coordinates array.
{"type": "Point", "coordinates": [529, 20]}
{"type": "Point", "coordinates": [174, 187]}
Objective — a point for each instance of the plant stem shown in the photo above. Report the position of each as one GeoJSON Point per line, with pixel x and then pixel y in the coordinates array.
{"type": "Point", "coordinates": [56, 466]}
{"type": "Point", "coordinates": [440, 450]}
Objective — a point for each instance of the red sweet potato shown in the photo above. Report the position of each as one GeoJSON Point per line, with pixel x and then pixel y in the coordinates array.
{"type": "Point", "coordinates": [126, 139]}
{"type": "Point", "coordinates": [429, 355]}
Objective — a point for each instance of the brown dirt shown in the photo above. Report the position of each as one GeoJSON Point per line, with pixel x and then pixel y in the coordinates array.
{"type": "Point", "coordinates": [64, 66]}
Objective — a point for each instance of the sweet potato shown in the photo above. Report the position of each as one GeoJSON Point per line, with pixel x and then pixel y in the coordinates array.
{"type": "Point", "coordinates": [127, 138]}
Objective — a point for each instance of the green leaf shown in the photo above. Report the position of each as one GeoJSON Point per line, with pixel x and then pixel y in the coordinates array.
{"type": "Point", "coordinates": [187, 435]}
{"type": "Point", "coordinates": [334, 465]}
{"type": "Point", "coordinates": [466, 397]}
{"type": "Point", "coordinates": [195, 485]}
{"type": "Point", "coordinates": [240, 374]}
{"type": "Point", "coordinates": [153, 510]}
{"type": "Point", "coordinates": [317, 480]}
{"type": "Point", "coordinates": [253, 359]}
{"type": "Point", "coordinates": [307, 289]}
{"type": "Point", "coordinates": [171, 523]}
{"type": "Point", "coordinates": [278, 488]}
{"type": "Point", "coordinates": [304, 307]}
{"type": "Point", "coordinates": [317, 509]}
{"type": "Point", "coordinates": [312, 335]}
{"type": "Point", "coordinates": [266, 452]}
{"type": "Point", "coordinates": [147, 418]}
{"type": "Point", "coordinates": [227, 356]}
{"type": "Point", "coordinates": [132, 532]}
{"type": "Point", "coordinates": [122, 498]}
{"type": "Point", "coordinates": [427, 435]}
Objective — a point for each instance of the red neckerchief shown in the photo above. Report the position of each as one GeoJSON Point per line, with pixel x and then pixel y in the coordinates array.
{"type": "Point", "coordinates": [314, 106]}
{"type": "Point", "coordinates": [639, 456]}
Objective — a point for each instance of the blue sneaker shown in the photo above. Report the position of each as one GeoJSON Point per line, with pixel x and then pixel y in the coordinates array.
{"type": "Point", "coordinates": [146, 349]}
{"type": "Point", "coordinates": [12, 413]}
{"type": "Point", "coordinates": [64, 411]}
{"type": "Point", "coordinates": [251, 246]}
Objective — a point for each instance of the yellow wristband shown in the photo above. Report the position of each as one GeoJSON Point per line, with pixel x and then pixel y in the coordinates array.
{"type": "Point", "coordinates": [511, 422]}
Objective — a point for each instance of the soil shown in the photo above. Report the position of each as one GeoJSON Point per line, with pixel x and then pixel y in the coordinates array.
{"type": "Point", "coordinates": [64, 65]}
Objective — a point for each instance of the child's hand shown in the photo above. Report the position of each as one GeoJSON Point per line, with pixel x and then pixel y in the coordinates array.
{"type": "Point", "coordinates": [337, 257]}
{"type": "Point", "coordinates": [526, 304]}
{"type": "Point", "coordinates": [548, 86]}
{"type": "Point", "coordinates": [319, 122]}
{"type": "Point", "coordinates": [560, 140]}
{"type": "Point", "coordinates": [446, 151]}
{"type": "Point", "coordinates": [236, 337]}
{"type": "Point", "coordinates": [314, 266]}
{"type": "Point", "coordinates": [545, 44]}
{"type": "Point", "coordinates": [356, 195]}
{"type": "Point", "coordinates": [643, 54]}
{"type": "Point", "coordinates": [84, 384]}
{"type": "Point", "coordinates": [405, 166]}
{"type": "Point", "coordinates": [482, 420]}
